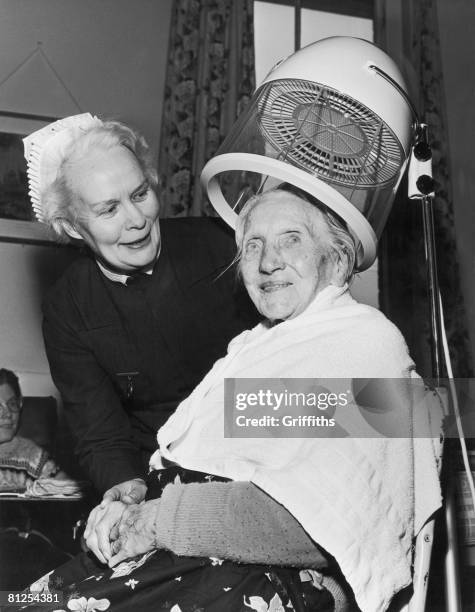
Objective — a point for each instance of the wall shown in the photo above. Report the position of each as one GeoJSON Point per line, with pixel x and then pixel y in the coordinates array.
{"type": "Point", "coordinates": [26, 271]}
{"type": "Point", "coordinates": [111, 55]}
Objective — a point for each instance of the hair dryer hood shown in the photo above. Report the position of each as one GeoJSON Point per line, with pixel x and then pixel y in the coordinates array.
{"type": "Point", "coordinates": [333, 119]}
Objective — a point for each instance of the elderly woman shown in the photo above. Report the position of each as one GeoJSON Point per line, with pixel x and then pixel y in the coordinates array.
{"type": "Point", "coordinates": [315, 503]}
{"type": "Point", "coordinates": [136, 321]}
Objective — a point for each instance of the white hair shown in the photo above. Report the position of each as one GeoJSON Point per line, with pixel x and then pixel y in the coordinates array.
{"type": "Point", "coordinates": [60, 203]}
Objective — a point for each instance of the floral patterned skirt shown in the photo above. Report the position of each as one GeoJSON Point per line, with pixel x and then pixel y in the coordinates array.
{"type": "Point", "coordinates": [162, 581]}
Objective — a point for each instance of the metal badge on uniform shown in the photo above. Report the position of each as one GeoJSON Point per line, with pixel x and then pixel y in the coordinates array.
{"type": "Point", "coordinates": [129, 377]}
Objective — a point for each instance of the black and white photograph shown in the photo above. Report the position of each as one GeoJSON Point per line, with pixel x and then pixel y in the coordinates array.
{"type": "Point", "coordinates": [237, 264]}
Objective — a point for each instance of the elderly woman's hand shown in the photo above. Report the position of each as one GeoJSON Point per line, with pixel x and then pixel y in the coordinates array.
{"type": "Point", "coordinates": [135, 533]}
{"type": "Point", "coordinates": [100, 524]}
{"type": "Point", "coordinates": [104, 517]}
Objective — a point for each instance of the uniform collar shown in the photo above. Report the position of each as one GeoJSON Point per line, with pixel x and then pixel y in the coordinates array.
{"type": "Point", "coordinates": [123, 278]}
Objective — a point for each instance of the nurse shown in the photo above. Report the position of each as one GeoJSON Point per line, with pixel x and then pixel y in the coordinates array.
{"type": "Point", "coordinates": [139, 318]}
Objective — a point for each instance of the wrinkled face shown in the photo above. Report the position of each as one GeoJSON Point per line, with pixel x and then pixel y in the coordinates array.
{"type": "Point", "coordinates": [10, 407]}
{"type": "Point", "coordinates": [284, 258]}
{"type": "Point", "coordinates": [118, 209]}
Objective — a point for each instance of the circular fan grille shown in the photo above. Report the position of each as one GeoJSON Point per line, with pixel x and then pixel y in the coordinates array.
{"type": "Point", "coordinates": [328, 134]}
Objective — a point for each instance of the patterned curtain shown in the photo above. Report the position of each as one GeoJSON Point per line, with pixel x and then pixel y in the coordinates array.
{"type": "Point", "coordinates": [210, 78]}
{"type": "Point", "coordinates": [409, 31]}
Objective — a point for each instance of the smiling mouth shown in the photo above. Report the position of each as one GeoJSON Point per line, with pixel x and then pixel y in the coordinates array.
{"type": "Point", "coordinates": [137, 244]}
{"type": "Point", "coordinates": [272, 286]}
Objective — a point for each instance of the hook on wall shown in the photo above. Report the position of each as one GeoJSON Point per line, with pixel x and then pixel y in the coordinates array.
{"type": "Point", "coordinates": [40, 52]}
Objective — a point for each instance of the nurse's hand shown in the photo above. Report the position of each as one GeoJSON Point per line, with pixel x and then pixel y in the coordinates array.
{"type": "Point", "coordinates": [100, 525]}
{"type": "Point", "coordinates": [128, 492]}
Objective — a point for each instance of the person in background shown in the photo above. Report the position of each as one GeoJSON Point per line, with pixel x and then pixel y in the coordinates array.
{"type": "Point", "coordinates": [141, 315]}
{"type": "Point", "coordinates": [22, 461]}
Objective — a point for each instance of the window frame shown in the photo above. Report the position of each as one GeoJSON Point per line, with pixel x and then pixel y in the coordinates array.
{"type": "Point", "coordinates": [353, 8]}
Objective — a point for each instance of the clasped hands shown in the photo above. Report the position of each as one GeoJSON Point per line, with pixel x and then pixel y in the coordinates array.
{"type": "Point", "coordinates": [122, 525]}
